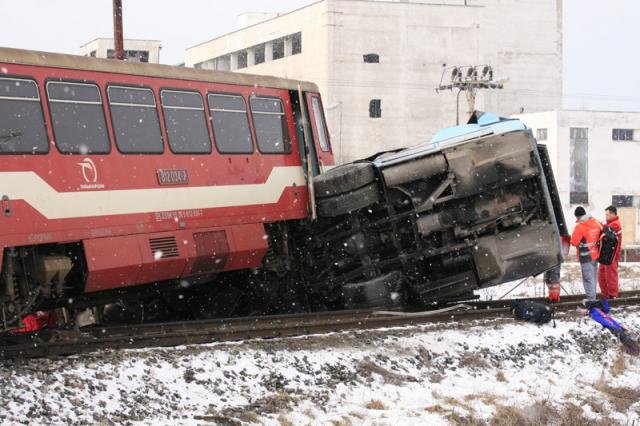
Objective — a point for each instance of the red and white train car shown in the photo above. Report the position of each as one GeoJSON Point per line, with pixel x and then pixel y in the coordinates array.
{"type": "Point", "coordinates": [116, 174]}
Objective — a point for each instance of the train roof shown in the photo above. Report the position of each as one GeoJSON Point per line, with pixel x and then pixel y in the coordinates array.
{"type": "Point", "coordinates": [59, 60]}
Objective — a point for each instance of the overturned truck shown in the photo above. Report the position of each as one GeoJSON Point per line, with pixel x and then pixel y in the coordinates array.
{"type": "Point", "coordinates": [474, 208]}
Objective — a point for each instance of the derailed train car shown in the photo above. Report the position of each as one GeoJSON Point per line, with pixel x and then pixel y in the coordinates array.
{"type": "Point", "coordinates": [139, 190]}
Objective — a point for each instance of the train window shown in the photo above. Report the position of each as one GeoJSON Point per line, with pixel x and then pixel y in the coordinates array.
{"type": "Point", "coordinates": [185, 122]}
{"type": "Point", "coordinates": [271, 125]}
{"type": "Point", "coordinates": [320, 123]}
{"type": "Point", "coordinates": [79, 126]}
{"type": "Point", "coordinates": [230, 123]}
{"type": "Point", "coordinates": [22, 129]}
{"type": "Point", "coordinates": [135, 120]}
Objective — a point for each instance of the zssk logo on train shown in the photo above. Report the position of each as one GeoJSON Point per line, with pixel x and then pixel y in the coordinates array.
{"type": "Point", "coordinates": [89, 170]}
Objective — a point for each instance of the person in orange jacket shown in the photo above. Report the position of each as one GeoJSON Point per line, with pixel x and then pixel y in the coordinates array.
{"type": "Point", "coordinates": [608, 274]}
{"type": "Point", "coordinates": [585, 239]}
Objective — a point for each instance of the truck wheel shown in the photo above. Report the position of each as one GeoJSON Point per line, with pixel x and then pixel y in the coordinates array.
{"type": "Point", "coordinates": [343, 179]}
{"type": "Point", "coordinates": [382, 291]}
{"type": "Point", "coordinates": [348, 202]}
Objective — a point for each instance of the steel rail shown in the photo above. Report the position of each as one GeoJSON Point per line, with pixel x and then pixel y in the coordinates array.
{"type": "Point", "coordinates": [506, 303]}
{"type": "Point", "coordinates": [68, 342]}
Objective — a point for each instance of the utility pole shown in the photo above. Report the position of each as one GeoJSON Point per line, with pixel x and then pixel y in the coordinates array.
{"type": "Point", "coordinates": [468, 79]}
{"type": "Point", "coordinates": [117, 29]}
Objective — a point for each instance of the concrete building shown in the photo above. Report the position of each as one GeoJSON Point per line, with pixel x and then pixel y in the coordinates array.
{"type": "Point", "coordinates": [594, 155]}
{"type": "Point", "coordinates": [377, 63]}
{"type": "Point", "coordinates": [134, 50]}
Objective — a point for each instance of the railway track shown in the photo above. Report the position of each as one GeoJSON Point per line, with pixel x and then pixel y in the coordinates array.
{"type": "Point", "coordinates": [67, 342]}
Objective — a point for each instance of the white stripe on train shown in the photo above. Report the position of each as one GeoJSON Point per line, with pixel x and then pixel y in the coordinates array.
{"type": "Point", "coordinates": [40, 195]}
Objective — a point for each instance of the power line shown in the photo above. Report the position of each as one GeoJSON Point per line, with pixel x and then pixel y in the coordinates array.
{"type": "Point", "coordinates": [400, 85]}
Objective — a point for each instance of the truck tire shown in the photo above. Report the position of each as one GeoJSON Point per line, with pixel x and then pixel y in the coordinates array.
{"type": "Point", "coordinates": [348, 202]}
{"type": "Point", "coordinates": [383, 291]}
{"type": "Point", "coordinates": [343, 179]}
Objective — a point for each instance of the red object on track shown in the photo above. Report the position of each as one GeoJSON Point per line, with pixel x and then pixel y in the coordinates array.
{"type": "Point", "coordinates": [36, 322]}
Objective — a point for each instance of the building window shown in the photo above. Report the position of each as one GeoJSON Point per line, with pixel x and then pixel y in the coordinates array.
{"type": "Point", "coordinates": [137, 55]}
{"type": "Point", "coordinates": [185, 122]}
{"type": "Point", "coordinates": [278, 48]}
{"type": "Point", "coordinates": [296, 43]}
{"type": "Point", "coordinates": [541, 134]}
{"type": "Point", "coordinates": [230, 123]}
{"type": "Point", "coordinates": [259, 54]}
{"type": "Point", "coordinates": [622, 200]}
{"type": "Point", "coordinates": [92, 53]}
{"type": "Point", "coordinates": [242, 59]}
{"type": "Point", "coordinates": [79, 126]}
{"type": "Point", "coordinates": [375, 108]}
{"type": "Point", "coordinates": [579, 159]}
{"type": "Point", "coordinates": [271, 125]}
{"type": "Point", "coordinates": [622, 134]}
{"type": "Point", "coordinates": [223, 63]}
{"type": "Point", "coordinates": [579, 197]}
{"type": "Point", "coordinates": [371, 58]}
{"type": "Point", "coordinates": [22, 128]}
{"type": "Point", "coordinates": [135, 120]}
{"type": "Point", "coordinates": [206, 65]}
{"type": "Point", "coordinates": [131, 55]}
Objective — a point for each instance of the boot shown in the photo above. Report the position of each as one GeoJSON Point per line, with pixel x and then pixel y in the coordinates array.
{"type": "Point", "coordinates": [554, 292]}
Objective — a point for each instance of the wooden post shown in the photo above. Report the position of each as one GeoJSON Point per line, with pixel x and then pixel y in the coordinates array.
{"type": "Point", "coordinates": [117, 29]}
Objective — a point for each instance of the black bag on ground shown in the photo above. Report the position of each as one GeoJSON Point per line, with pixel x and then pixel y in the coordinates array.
{"type": "Point", "coordinates": [528, 310]}
{"type": "Point", "coordinates": [608, 245]}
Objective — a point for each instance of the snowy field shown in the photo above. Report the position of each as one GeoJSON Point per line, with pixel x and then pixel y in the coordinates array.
{"type": "Point", "coordinates": [499, 372]}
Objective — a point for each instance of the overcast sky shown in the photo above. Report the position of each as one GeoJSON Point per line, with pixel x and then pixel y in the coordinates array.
{"type": "Point", "coordinates": [600, 36]}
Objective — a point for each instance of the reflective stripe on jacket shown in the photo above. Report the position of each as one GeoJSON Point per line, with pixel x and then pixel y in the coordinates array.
{"type": "Point", "coordinates": [585, 238]}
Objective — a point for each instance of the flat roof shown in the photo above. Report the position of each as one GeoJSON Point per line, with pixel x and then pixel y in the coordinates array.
{"type": "Point", "coordinates": [126, 39]}
{"type": "Point", "coordinates": [59, 60]}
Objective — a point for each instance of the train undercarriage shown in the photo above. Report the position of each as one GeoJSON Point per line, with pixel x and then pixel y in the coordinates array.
{"type": "Point", "coordinates": [407, 228]}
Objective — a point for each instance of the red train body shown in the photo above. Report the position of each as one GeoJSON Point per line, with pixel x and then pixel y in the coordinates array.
{"type": "Point", "coordinates": [144, 217]}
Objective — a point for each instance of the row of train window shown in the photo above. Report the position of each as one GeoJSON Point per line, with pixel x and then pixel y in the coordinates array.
{"type": "Point", "coordinates": [79, 124]}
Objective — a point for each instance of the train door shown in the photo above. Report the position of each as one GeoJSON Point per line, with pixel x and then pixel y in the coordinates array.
{"type": "Point", "coordinates": [314, 167]}
{"type": "Point", "coordinates": [322, 144]}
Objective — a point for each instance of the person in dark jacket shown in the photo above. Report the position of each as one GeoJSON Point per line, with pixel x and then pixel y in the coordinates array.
{"type": "Point", "coordinates": [585, 239]}
{"type": "Point", "coordinates": [608, 274]}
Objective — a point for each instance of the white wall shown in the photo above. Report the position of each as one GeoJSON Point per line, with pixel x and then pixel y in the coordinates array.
{"type": "Point", "coordinates": [413, 41]}
{"type": "Point", "coordinates": [613, 166]}
{"type": "Point", "coordinates": [521, 39]}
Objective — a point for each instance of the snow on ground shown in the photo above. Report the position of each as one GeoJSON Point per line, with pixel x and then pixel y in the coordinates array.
{"type": "Point", "coordinates": [495, 372]}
